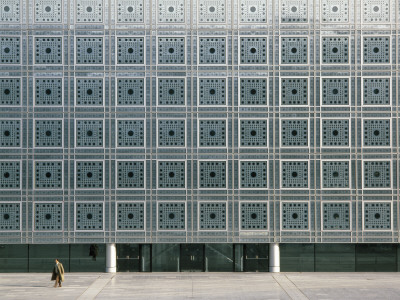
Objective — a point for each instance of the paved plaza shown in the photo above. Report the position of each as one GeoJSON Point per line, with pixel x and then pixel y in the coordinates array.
{"type": "Point", "coordinates": [203, 286]}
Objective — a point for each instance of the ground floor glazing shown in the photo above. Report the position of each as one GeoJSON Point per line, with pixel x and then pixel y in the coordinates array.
{"type": "Point", "coordinates": [202, 257]}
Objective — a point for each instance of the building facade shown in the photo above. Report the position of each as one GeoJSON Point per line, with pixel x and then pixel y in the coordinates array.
{"type": "Point", "coordinates": [195, 127]}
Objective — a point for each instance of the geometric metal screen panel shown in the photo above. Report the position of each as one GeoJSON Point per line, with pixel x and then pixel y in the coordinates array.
{"type": "Point", "coordinates": [335, 174]}
{"type": "Point", "coordinates": [336, 216]}
{"type": "Point", "coordinates": [196, 121]}
{"type": "Point", "coordinates": [212, 216]}
{"type": "Point", "coordinates": [10, 172]}
{"type": "Point", "coordinates": [130, 216]}
{"type": "Point", "coordinates": [295, 216]}
{"type": "Point", "coordinates": [171, 216]}
{"type": "Point", "coordinates": [89, 216]}
{"type": "Point", "coordinates": [10, 133]}
{"type": "Point", "coordinates": [254, 216]}
{"type": "Point", "coordinates": [48, 175]}
{"type": "Point", "coordinates": [377, 216]}
{"type": "Point", "coordinates": [130, 174]}
{"type": "Point", "coordinates": [48, 216]}
{"type": "Point", "coordinates": [10, 216]}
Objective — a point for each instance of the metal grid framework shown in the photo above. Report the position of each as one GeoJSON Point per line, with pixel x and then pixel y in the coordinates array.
{"type": "Point", "coordinates": [197, 121]}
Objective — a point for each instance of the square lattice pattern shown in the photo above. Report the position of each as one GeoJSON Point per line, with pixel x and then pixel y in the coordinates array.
{"type": "Point", "coordinates": [335, 133]}
{"type": "Point", "coordinates": [254, 216]}
{"type": "Point", "coordinates": [49, 50]}
{"type": "Point", "coordinates": [48, 216]}
{"type": "Point", "coordinates": [294, 174]}
{"type": "Point", "coordinates": [376, 91]}
{"type": "Point", "coordinates": [48, 175]}
{"type": "Point", "coordinates": [212, 216]}
{"type": "Point", "coordinates": [130, 50]}
{"type": "Point", "coordinates": [130, 216]}
{"type": "Point", "coordinates": [376, 133]}
{"type": "Point", "coordinates": [130, 11]}
{"type": "Point", "coordinates": [335, 91]}
{"type": "Point", "coordinates": [48, 133]}
{"type": "Point", "coordinates": [294, 50]}
{"type": "Point", "coordinates": [171, 174]}
{"type": "Point", "coordinates": [377, 174]}
{"type": "Point", "coordinates": [295, 216]}
{"type": "Point", "coordinates": [89, 216]}
{"type": "Point", "coordinates": [294, 11]}
{"type": "Point", "coordinates": [335, 174]}
{"type": "Point", "coordinates": [10, 11]}
{"type": "Point", "coordinates": [89, 133]}
{"type": "Point", "coordinates": [10, 216]}
{"type": "Point", "coordinates": [48, 11]}
{"type": "Point", "coordinates": [253, 50]}
{"type": "Point", "coordinates": [336, 216]}
{"type": "Point", "coordinates": [335, 50]}
{"type": "Point", "coordinates": [89, 51]}
{"type": "Point", "coordinates": [254, 174]}
{"type": "Point", "coordinates": [130, 174]}
{"type": "Point", "coordinates": [10, 50]}
{"type": "Point", "coordinates": [10, 133]}
{"type": "Point", "coordinates": [10, 91]}
{"type": "Point", "coordinates": [335, 11]}
{"type": "Point", "coordinates": [130, 91]}
{"type": "Point", "coordinates": [376, 50]}
{"type": "Point", "coordinates": [212, 174]}
{"type": "Point", "coordinates": [294, 133]}
{"type": "Point", "coordinates": [254, 133]}
{"type": "Point", "coordinates": [89, 174]}
{"type": "Point", "coordinates": [212, 50]}
{"type": "Point", "coordinates": [89, 92]}
{"type": "Point", "coordinates": [377, 216]}
{"type": "Point", "coordinates": [171, 11]}
{"type": "Point", "coordinates": [211, 11]}
{"type": "Point", "coordinates": [253, 91]}
{"type": "Point", "coordinates": [172, 91]}
{"type": "Point", "coordinates": [89, 11]}
{"type": "Point", "coordinates": [49, 92]}
{"type": "Point", "coordinates": [253, 11]}
{"type": "Point", "coordinates": [171, 50]}
{"type": "Point", "coordinates": [212, 133]}
{"type": "Point", "coordinates": [375, 11]}
{"type": "Point", "coordinates": [294, 91]}
{"type": "Point", "coordinates": [171, 216]}
{"type": "Point", "coordinates": [130, 133]}
{"type": "Point", "coordinates": [212, 91]}
{"type": "Point", "coordinates": [10, 175]}
{"type": "Point", "coordinates": [234, 115]}
{"type": "Point", "coordinates": [171, 133]}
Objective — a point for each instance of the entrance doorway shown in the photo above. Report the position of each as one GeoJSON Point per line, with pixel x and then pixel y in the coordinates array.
{"type": "Point", "coordinates": [256, 257]}
{"type": "Point", "coordinates": [128, 258]}
{"type": "Point", "coordinates": [192, 258]}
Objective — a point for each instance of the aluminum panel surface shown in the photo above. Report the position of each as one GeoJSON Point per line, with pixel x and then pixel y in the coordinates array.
{"type": "Point", "coordinates": [199, 121]}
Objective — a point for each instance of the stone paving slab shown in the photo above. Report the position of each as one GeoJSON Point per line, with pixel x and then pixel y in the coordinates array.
{"type": "Point", "coordinates": [296, 286]}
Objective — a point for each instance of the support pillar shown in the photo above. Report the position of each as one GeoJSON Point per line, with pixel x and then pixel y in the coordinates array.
{"type": "Point", "coordinates": [274, 258]}
{"type": "Point", "coordinates": [111, 258]}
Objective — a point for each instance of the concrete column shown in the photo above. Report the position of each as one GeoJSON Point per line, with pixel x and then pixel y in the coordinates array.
{"type": "Point", "coordinates": [274, 258]}
{"type": "Point", "coordinates": [111, 258]}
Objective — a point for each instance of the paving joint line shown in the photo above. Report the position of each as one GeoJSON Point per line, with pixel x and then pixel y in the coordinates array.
{"type": "Point", "coordinates": [289, 287]}
{"type": "Point", "coordinates": [281, 287]}
{"type": "Point", "coordinates": [296, 286]}
{"type": "Point", "coordinates": [96, 287]}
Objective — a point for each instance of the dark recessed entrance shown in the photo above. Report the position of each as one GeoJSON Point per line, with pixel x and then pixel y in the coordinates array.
{"type": "Point", "coordinates": [192, 258]}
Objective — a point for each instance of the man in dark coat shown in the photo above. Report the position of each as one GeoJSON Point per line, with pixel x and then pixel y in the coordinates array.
{"type": "Point", "coordinates": [94, 251]}
{"type": "Point", "coordinates": [58, 273]}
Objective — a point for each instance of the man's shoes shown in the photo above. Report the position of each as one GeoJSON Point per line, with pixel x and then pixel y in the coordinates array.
{"type": "Point", "coordinates": [60, 285]}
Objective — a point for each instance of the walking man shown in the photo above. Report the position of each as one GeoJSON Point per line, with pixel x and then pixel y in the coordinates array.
{"type": "Point", "coordinates": [58, 273]}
